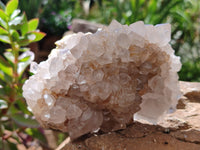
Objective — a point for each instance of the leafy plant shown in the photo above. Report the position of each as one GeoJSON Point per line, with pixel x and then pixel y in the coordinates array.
{"type": "Point", "coordinates": [31, 7]}
{"type": "Point", "coordinates": [17, 32]}
{"type": "Point", "coordinates": [190, 72]}
{"type": "Point", "coordinates": [56, 16]}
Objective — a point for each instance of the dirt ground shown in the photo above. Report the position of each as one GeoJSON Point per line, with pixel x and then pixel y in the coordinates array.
{"type": "Point", "coordinates": [177, 131]}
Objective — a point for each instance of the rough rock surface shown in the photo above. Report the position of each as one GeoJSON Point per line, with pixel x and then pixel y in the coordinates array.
{"type": "Point", "coordinates": [105, 80]}
{"type": "Point", "coordinates": [178, 131]}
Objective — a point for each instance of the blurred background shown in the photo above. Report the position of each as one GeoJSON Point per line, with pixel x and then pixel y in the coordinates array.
{"type": "Point", "coordinates": [56, 17]}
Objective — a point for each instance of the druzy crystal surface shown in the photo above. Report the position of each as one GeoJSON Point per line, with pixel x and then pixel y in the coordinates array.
{"type": "Point", "coordinates": [106, 79]}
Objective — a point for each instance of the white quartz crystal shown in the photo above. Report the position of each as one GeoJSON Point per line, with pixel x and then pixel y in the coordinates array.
{"type": "Point", "coordinates": [106, 79]}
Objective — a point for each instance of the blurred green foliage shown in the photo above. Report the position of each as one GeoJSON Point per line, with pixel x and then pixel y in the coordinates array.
{"type": "Point", "coordinates": [17, 32]}
{"type": "Point", "coordinates": [56, 16]}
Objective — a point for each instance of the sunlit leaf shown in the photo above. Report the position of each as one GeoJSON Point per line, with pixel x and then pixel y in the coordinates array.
{"type": "Point", "coordinates": [15, 13]}
{"type": "Point", "coordinates": [3, 31]}
{"type": "Point", "coordinates": [25, 59]}
{"type": "Point", "coordinates": [32, 24]}
{"type": "Point", "coordinates": [3, 16]}
{"type": "Point", "coordinates": [9, 56]}
{"type": "Point", "coordinates": [24, 28]}
{"type": "Point", "coordinates": [16, 21]}
{"type": "Point", "coordinates": [2, 76]}
{"type": "Point", "coordinates": [3, 104]}
{"type": "Point", "coordinates": [9, 50]}
{"type": "Point", "coordinates": [36, 36]}
{"type": "Point", "coordinates": [7, 79]}
{"type": "Point", "coordinates": [5, 39]}
{"type": "Point", "coordinates": [25, 120]}
{"type": "Point", "coordinates": [31, 37]}
{"type": "Point", "coordinates": [24, 49]}
{"type": "Point", "coordinates": [3, 61]}
{"type": "Point", "coordinates": [22, 66]}
{"type": "Point", "coordinates": [3, 23]}
{"type": "Point", "coordinates": [27, 54]}
{"type": "Point", "coordinates": [5, 67]}
{"type": "Point", "coordinates": [11, 6]}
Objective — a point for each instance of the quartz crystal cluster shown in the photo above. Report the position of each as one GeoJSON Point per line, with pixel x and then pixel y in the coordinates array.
{"type": "Point", "coordinates": [105, 80]}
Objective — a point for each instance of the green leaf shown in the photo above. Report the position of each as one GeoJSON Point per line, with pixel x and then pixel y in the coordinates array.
{"type": "Point", "coordinates": [3, 16]}
{"type": "Point", "coordinates": [21, 104]}
{"type": "Point", "coordinates": [24, 27]}
{"type": "Point", "coordinates": [23, 42]}
{"type": "Point", "coordinates": [3, 104]}
{"type": "Point", "coordinates": [31, 37]}
{"type": "Point", "coordinates": [35, 36]}
{"type": "Point", "coordinates": [11, 6]}
{"type": "Point", "coordinates": [3, 23]}
{"type": "Point", "coordinates": [33, 24]}
{"type": "Point", "coordinates": [1, 77]}
{"type": "Point", "coordinates": [12, 109]}
{"type": "Point", "coordinates": [9, 56]}
{"type": "Point", "coordinates": [24, 121]}
{"type": "Point", "coordinates": [15, 35]}
{"type": "Point", "coordinates": [25, 59]}
{"type": "Point", "coordinates": [15, 13]}
{"type": "Point", "coordinates": [26, 54]}
{"type": "Point", "coordinates": [5, 39]}
{"type": "Point", "coordinates": [16, 21]}
{"type": "Point", "coordinates": [9, 50]}
{"type": "Point", "coordinates": [3, 31]}
{"type": "Point", "coordinates": [8, 79]}
{"type": "Point", "coordinates": [24, 49]}
{"type": "Point", "coordinates": [5, 67]}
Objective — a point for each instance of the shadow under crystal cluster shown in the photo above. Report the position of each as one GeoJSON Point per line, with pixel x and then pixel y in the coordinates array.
{"type": "Point", "coordinates": [105, 80]}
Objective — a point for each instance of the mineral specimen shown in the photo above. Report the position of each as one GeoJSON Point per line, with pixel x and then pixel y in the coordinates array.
{"type": "Point", "coordinates": [105, 80]}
